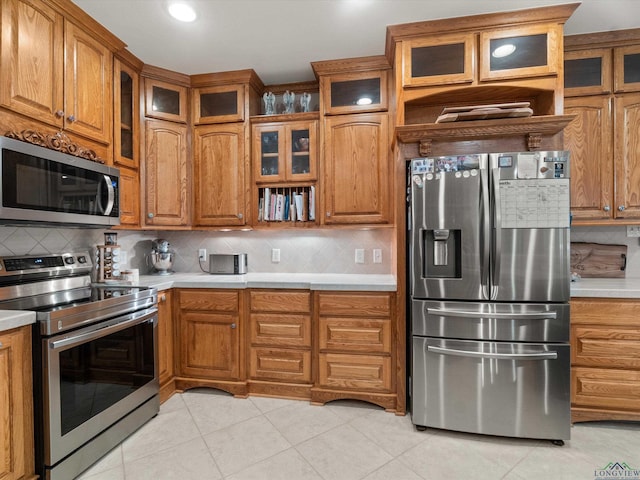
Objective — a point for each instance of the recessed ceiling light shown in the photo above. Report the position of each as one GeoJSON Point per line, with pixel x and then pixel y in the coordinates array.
{"type": "Point", "coordinates": [182, 12]}
{"type": "Point", "coordinates": [504, 50]}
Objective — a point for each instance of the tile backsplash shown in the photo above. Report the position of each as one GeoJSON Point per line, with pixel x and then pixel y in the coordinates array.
{"type": "Point", "coordinates": [301, 251]}
{"type": "Point", "coordinates": [613, 236]}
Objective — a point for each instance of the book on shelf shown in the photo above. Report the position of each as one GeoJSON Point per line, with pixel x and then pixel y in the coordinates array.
{"type": "Point", "coordinates": [305, 205]}
{"type": "Point", "coordinates": [267, 201]}
{"type": "Point", "coordinates": [279, 216]}
{"type": "Point", "coordinates": [312, 203]}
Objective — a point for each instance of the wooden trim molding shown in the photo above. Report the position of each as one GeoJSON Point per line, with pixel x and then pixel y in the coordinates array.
{"type": "Point", "coordinates": [55, 141]}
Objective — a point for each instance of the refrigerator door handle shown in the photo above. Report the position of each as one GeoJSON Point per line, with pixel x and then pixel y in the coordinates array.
{"type": "Point", "coordinates": [499, 356]}
{"type": "Point", "coordinates": [497, 228]}
{"type": "Point", "coordinates": [475, 314]}
{"type": "Point", "coordinates": [486, 235]}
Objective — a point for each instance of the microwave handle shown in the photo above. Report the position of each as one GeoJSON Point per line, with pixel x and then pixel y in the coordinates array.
{"type": "Point", "coordinates": [111, 196]}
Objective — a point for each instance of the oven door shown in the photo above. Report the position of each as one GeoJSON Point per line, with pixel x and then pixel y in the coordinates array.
{"type": "Point", "coordinates": [95, 376]}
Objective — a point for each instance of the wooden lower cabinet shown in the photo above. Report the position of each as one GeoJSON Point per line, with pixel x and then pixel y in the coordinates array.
{"type": "Point", "coordinates": [355, 348]}
{"type": "Point", "coordinates": [166, 336]}
{"type": "Point", "coordinates": [16, 405]}
{"type": "Point", "coordinates": [319, 346]}
{"type": "Point", "coordinates": [209, 340]}
{"type": "Point", "coordinates": [605, 359]}
{"type": "Point", "coordinates": [280, 357]}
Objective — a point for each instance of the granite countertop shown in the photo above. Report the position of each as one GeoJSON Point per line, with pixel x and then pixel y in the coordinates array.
{"type": "Point", "coordinates": [14, 318]}
{"type": "Point", "coordinates": [305, 281]}
{"type": "Point", "coordinates": [606, 287]}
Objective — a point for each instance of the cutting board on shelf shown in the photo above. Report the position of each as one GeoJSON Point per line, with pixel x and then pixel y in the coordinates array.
{"type": "Point", "coordinates": [597, 260]}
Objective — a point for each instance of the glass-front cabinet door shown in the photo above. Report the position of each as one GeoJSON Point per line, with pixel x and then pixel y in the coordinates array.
{"type": "Point", "coordinates": [165, 101]}
{"type": "Point", "coordinates": [219, 104]}
{"type": "Point", "coordinates": [442, 60]}
{"type": "Point", "coordinates": [627, 69]}
{"type": "Point", "coordinates": [355, 92]}
{"type": "Point", "coordinates": [520, 52]}
{"type": "Point", "coordinates": [285, 152]}
{"type": "Point", "coordinates": [587, 72]}
{"type": "Point", "coordinates": [126, 108]}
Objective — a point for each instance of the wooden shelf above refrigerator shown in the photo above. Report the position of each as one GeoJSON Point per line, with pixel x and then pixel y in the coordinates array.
{"type": "Point", "coordinates": [471, 133]}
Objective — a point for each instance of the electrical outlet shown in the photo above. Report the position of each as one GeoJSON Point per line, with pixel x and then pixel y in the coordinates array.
{"type": "Point", "coordinates": [202, 254]}
{"type": "Point", "coordinates": [359, 255]}
{"type": "Point", "coordinates": [633, 231]}
{"type": "Point", "coordinates": [377, 255]}
{"type": "Point", "coordinates": [275, 255]}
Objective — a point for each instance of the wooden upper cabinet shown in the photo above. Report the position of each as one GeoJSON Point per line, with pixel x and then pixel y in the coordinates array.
{"type": "Point", "coordinates": [164, 100]}
{"type": "Point", "coordinates": [285, 151]}
{"type": "Point", "coordinates": [520, 52]}
{"type": "Point", "coordinates": [87, 81]}
{"type": "Point", "coordinates": [627, 156]}
{"type": "Point", "coordinates": [166, 183]}
{"type": "Point", "coordinates": [445, 59]}
{"type": "Point", "coordinates": [589, 139]}
{"type": "Point", "coordinates": [356, 169]}
{"type": "Point", "coordinates": [54, 71]}
{"type": "Point", "coordinates": [129, 197]}
{"type": "Point", "coordinates": [32, 60]}
{"type": "Point", "coordinates": [587, 72]}
{"type": "Point", "coordinates": [355, 92]}
{"type": "Point", "coordinates": [126, 115]}
{"type": "Point", "coordinates": [220, 170]}
{"type": "Point", "coordinates": [627, 68]}
{"type": "Point", "coordinates": [218, 104]}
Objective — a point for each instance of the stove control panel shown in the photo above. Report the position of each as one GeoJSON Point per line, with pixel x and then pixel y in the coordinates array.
{"type": "Point", "coordinates": [53, 264]}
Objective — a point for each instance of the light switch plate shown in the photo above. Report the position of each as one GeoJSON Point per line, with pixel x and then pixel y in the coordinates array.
{"type": "Point", "coordinates": [377, 255]}
{"type": "Point", "coordinates": [359, 255]}
{"type": "Point", "coordinates": [275, 255]}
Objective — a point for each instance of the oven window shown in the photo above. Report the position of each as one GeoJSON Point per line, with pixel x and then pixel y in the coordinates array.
{"type": "Point", "coordinates": [96, 375]}
{"type": "Point", "coordinates": [30, 182]}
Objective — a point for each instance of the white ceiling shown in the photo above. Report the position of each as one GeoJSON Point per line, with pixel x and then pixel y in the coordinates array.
{"type": "Point", "coordinates": [278, 38]}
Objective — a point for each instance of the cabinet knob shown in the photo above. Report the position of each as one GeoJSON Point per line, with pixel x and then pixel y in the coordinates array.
{"type": "Point", "coordinates": [0, 344]}
{"type": "Point", "coordinates": [621, 208]}
{"type": "Point", "coordinates": [606, 208]}
{"type": "Point", "coordinates": [59, 113]}
{"type": "Point", "coordinates": [71, 118]}
{"type": "Point", "coordinates": [239, 215]}
{"type": "Point", "coordinates": [150, 215]}
{"type": "Point", "coordinates": [233, 325]}
{"type": "Point", "coordinates": [163, 297]}
{"type": "Point", "coordinates": [328, 214]}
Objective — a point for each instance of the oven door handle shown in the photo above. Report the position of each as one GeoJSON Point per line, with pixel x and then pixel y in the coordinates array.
{"type": "Point", "coordinates": [499, 356]}
{"type": "Point", "coordinates": [127, 321]}
{"type": "Point", "coordinates": [475, 314]}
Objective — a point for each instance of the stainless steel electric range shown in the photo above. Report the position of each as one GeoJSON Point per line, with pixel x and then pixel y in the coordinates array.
{"type": "Point", "coordinates": [94, 357]}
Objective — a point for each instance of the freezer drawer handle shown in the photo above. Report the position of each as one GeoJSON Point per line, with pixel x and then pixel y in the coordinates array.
{"type": "Point", "coordinates": [500, 356]}
{"type": "Point", "coordinates": [471, 314]}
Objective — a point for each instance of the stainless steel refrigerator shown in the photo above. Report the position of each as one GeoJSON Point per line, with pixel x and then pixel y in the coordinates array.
{"type": "Point", "coordinates": [489, 281]}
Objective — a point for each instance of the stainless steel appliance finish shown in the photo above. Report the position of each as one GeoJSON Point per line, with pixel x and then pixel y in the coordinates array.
{"type": "Point", "coordinates": [489, 275]}
{"type": "Point", "coordinates": [95, 358]}
{"type": "Point", "coordinates": [227, 264]}
{"type": "Point", "coordinates": [43, 186]}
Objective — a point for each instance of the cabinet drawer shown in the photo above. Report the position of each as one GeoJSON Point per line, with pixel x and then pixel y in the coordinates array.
{"type": "Point", "coordinates": [609, 347]}
{"type": "Point", "coordinates": [367, 372]}
{"type": "Point", "coordinates": [276, 301]}
{"type": "Point", "coordinates": [615, 389]}
{"type": "Point", "coordinates": [223, 300]}
{"type": "Point", "coordinates": [358, 335]}
{"type": "Point", "coordinates": [281, 330]}
{"type": "Point", "coordinates": [596, 311]}
{"type": "Point", "coordinates": [378, 305]}
{"type": "Point", "coordinates": [280, 364]}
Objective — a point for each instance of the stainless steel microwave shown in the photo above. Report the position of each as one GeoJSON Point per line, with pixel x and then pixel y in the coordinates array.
{"type": "Point", "coordinates": [41, 186]}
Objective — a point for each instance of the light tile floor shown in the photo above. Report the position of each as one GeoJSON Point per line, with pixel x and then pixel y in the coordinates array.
{"type": "Point", "coordinates": [208, 434]}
